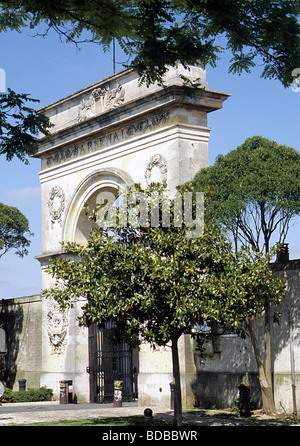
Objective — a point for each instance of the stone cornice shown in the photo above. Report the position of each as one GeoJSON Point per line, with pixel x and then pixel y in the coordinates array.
{"type": "Point", "coordinates": [153, 104]}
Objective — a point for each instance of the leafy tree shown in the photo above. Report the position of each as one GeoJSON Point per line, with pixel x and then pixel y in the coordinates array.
{"type": "Point", "coordinates": [252, 289]}
{"type": "Point", "coordinates": [14, 230]}
{"type": "Point", "coordinates": [155, 283]}
{"type": "Point", "coordinates": [254, 193]}
{"type": "Point", "coordinates": [155, 34]}
{"type": "Point", "coordinates": [19, 126]}
{"type": "Point", "coordinates": [158, 33]}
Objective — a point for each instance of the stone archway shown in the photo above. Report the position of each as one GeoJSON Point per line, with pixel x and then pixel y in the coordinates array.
{"type": "Point", "coordinates": [108, 181]}
{"type": "Point", "coordinates": [107, 136]}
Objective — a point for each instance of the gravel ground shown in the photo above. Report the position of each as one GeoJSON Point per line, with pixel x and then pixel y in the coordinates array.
{"type": "Point", "coordinates": [28, 413]}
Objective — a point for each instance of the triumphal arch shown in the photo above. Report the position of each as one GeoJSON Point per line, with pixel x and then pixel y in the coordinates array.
{"type": "Point", "coordinates": [107, 136]}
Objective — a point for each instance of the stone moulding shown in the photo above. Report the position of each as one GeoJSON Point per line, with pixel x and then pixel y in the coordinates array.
{"type": "Point", "coordinates": [77, 150]}
{"type": "Point", "coordinates": [122, 114]}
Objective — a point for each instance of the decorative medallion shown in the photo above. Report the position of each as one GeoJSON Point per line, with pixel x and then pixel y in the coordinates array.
{"type": "Point", "coordinates": [156, 170]}
{"type": "Point", "coordinates": [56, 204]}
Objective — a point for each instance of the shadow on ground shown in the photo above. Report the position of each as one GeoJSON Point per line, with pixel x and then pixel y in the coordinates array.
{"type": "Point", "coordinates": [190, 418]}
{"type": "Point", "coordinates": [227, 418]}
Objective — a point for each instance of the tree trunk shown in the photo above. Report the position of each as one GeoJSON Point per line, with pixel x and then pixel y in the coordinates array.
{"type": "Point", "coordinates": [266, 388]}
{"type": "Point", "coordinates": [177, 386]}
{"type": "Point", "coordinates": [267, 340]}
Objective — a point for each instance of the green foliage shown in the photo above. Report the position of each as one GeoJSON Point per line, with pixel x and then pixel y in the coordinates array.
{"type": "Point", "coordinates": [155, 284]}
{"type": "Point", "coordinates": [8, 396]}
{"type": "Point", "coordinates": [147, 281]}
{"type": "Point", "coordinates": [249, 285]}
{"type": "Point", "coordinates": [235, 406]}
{"type": "Point", "coordinates": [158, 33]}
{"type": "Point", "coordinates": [154, 34]}
{"type": "Point", "coordinates": [30, 395]}
{"type": "Point", "coordinates": [14, 228]}
{"type": "Point", "coordinates": [253, 191]}
{"type": "Point", "coordinates": [19, 126]}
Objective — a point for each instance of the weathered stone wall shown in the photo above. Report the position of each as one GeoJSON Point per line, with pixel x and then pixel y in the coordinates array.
{"type": "Point", "coordinates": [21, 319]}
{"type": "Point", "coordinates": [220, 372]}
{"type": "Point", "coordinates": [289, 271]}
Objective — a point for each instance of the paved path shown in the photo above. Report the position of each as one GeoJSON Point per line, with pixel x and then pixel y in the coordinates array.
{"type": "Point", "coordinates": [27, 413]}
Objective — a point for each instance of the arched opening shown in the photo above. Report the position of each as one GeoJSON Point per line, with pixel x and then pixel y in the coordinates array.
{"type": "Point", "coordinates": [107, 362]}
{"type": "Point", "coordinates": [98, 198]}
{"type": "Point", "coordinates": [96, 186]}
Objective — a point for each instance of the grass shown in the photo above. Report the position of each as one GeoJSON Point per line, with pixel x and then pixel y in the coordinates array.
{"type": "Point", "coordinates": [209, 418]}
{"type": "Point", "coordinates": [107, 421]}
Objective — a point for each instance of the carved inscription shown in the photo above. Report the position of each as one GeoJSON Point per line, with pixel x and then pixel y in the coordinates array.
{"type": "Point", "coordinates": [89, 146]}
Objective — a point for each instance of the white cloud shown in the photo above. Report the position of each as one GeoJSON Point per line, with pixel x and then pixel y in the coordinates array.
{"type": "Point", "coordinates": [21, 195]}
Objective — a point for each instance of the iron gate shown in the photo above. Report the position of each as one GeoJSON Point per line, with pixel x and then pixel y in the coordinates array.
{"type": "Point", "coordinates": [113, 365]}
{"type": "Point", "coordinates": [110, 363]}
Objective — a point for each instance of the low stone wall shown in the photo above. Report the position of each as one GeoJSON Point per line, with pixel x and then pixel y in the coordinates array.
{"type": "Point", "coordinates": [21, 319]}
{"type": "Point", "coordinates": [220, 372]}
{"type": "Point", "coordinates": [220, 389]}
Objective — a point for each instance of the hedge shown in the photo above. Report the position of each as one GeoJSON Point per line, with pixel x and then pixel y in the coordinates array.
{"type": "Point", "coordinates": [30, 395]}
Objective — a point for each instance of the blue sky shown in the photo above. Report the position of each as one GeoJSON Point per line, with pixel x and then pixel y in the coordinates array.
{"type": "Point", "coordinates": [49, 70]}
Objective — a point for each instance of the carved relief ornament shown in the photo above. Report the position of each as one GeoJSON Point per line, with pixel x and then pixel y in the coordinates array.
{"type": "Point", "coordinates": [100, 100]}
{"type": "Point", "coordinates": [159, 164]}
{"type": "Point", "coordinates": [56, 204]}
{"type": "Point", "coordinates": [57, 327]}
